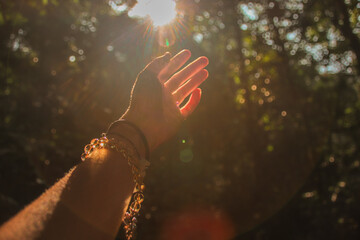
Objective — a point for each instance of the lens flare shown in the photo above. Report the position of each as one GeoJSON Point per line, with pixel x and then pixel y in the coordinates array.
{"type": "Point", "coordinates": [161, 12]}
{"type": "Point", "coordinates": [166, 36]}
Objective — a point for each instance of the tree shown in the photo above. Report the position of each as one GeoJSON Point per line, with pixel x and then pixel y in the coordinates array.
{"type": "Point", "coordinates": [276, 136]}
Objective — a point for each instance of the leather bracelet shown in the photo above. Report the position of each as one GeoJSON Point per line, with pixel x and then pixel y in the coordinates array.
{"type": "Point", "coordinates": [137, 129]}
{"type": "Point", "coordinates": [117, 136]}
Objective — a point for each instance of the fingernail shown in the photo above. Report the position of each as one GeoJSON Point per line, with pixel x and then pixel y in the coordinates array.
{"type": "Point", "coordinates": [205, 60]}
{"type": "Point", "coordinates": [167, 56]}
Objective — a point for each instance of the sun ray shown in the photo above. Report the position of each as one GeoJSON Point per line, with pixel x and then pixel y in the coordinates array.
{"type": "Point", "coordinates": [161, 21]}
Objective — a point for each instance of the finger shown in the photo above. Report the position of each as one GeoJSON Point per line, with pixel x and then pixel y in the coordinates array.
{"type": "Point", "coordinates": [156, 65]}
{"type": "Point", "coordinates": [188, 87]}
{"type": "Point", "coordinates": [192, 103]}
{"type": "Point", "coordinates": [180, 77]}
{"type": "Point", "coordinates": [175, 63]}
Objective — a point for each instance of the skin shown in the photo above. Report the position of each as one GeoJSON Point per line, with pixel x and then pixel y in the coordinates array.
{"type": "Point", "coordinates": [89, 202]}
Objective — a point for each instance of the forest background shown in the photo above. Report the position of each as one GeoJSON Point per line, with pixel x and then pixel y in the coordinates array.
{"type": "Point", "coordinates": [272, 152]}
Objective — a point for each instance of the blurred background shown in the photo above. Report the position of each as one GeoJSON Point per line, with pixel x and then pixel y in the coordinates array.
{"type": "Point", "coordinates": [272, 151]}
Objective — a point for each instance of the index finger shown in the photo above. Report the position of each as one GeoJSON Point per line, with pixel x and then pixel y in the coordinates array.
{"type": "Point", "coordinates": [190, 70]}
{"type": "Point", "coordinates": [175, 63]}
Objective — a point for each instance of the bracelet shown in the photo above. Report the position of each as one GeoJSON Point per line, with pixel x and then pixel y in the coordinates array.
{"type": "Point", "coordinates": [137, 129]}
{"type": "Point", "coordinates": [138, 167]}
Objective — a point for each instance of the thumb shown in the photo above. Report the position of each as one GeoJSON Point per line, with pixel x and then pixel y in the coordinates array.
{"type": "Point", "coordinates": [148, 78]}
{"type": "Point", "coordinates": [156, 65]}
{"type": "Point", "coordinates": [147, 88]}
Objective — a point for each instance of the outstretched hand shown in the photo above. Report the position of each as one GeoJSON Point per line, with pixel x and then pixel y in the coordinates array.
{"type": "Point", "coordinates": [159, 91]}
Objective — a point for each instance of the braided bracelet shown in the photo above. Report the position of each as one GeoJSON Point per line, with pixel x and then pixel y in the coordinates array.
{"type": "Point", "coordinates": [138, 167]}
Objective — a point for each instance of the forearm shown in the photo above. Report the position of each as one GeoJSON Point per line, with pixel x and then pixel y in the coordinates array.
{"type": "Point", "coordinates": [88, 203]}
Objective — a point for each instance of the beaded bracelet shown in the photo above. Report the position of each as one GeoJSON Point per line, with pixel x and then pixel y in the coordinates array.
{"type": "Point", "coordinates": [138, 167]}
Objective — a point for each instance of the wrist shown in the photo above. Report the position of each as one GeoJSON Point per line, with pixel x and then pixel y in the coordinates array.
{"type": "Point", "coordinates": [129, 131]}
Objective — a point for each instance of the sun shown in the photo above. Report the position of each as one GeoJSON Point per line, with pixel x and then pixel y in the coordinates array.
{"type": "Point", "coordinates": [161, 12]}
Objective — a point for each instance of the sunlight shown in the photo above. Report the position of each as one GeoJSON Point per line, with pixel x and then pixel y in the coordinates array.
{"type": "Point", "coordinates": [161, 12]}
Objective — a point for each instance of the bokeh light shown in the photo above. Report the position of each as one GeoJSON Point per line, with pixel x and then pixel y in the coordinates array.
{"type": "Point", "coordinates": [198, 222]}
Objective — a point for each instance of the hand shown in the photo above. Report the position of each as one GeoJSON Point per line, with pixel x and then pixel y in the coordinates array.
{"type": "Point", "coordinates": [158, 92]}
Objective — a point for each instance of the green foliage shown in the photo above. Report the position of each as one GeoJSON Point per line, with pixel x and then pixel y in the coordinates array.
{"type": "Point", "coordinates": [275, 137]}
